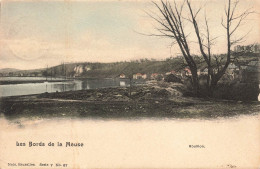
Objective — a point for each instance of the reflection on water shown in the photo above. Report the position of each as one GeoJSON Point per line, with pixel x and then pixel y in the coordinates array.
{"type": "Point", "coordinates": [27, 78]}
{"type": "Point", "coordinates": [36, 88]}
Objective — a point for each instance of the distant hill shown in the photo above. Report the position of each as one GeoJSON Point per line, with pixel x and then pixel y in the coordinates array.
{"type": "Point", "coordinates": [114, 69]}
{"type": "Point", "coordinates": [30, 70]}
{"type": "Point", "coordinates": [18, 72]}
{"type": "Point", "coordinates": [7, 70]}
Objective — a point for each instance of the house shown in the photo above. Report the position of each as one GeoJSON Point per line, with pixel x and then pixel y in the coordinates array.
{"type": "Point", "coordinates": [144, 76]}
{"type": "Point", "coordinates": [199, 72]}
{"type": "Point", "coordinates": [255, 48]}
{"type": "Point", "coordinates": [122, 76]}
{"type": "Point", "coordinates": [186, 72]}
{"type": "Point", "coordinates": [232, 67]}
{"type": "Point", "coordinates": [154, 75]}
{"type": "Point", "coordinates": [139, 76]}
{"type": "Point", "coordinates": [232, 70]}
{"type": "Point", "coordinates": [204, 71]}
{"type": "Point", "coordinates": [178, 73]}
{"type": "Point", "coordinates": [171, 72]}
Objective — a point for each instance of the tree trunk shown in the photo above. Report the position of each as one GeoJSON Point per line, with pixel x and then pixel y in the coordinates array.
{"type": "Point", "coordinates": [213, 86]}
{"type": "Point", "coordinates": [195, 80]}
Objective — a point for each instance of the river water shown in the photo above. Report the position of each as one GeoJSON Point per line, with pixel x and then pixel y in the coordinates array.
{"type": "Point", "coordinates": [37, 88]}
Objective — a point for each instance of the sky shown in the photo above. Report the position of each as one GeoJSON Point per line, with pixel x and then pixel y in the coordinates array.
{"type": "Point", "coordinates": [34, 34]}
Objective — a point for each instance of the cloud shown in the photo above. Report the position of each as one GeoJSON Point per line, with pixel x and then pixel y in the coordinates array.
{"type": "Point", "coordinates": [104, 34]}
{"type": "Point", "coordinates": [89, 47]}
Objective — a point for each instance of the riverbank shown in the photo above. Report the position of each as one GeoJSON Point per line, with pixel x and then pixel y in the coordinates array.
{"type": "Point", "coordinates": [154, 100]}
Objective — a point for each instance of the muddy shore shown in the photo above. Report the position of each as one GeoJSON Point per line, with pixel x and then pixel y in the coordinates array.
{"type": "Point", "coordinates": [157, 100]}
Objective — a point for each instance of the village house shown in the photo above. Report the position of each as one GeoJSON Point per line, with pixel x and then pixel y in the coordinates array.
{"type": "Point", "coordinates": [137, 76]}
{"type": "Point", "coordinates": [232, 70]}
{"type": "Point", "coordinates": [186, 72]}
{"type": "Point", "coordinates": [144, 76]}
{"type": "Point", "coordinates": [156, 76]}
{"type": "Point", "coordinates": [140, 76]}
{"type": "Point", "coordinates": [178, 73]}
{"type": "Point", "coordinates": [122, 76]}
{"type": "Point", "coordinates": [199, 72]}
{"type": "Point", "coordinates": [204, 71]}
{"type": "Point", "coordinates": [255, 48]}
{"type": "Point", "coordinates": [171, 72]}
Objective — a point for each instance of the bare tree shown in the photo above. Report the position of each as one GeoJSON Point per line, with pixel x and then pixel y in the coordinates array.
{"type": "Point", "coordinates": [231, 19]}
{"type": "Point", "coordinates": [171, 26]}
{"type": "Point", "coordinates": [233, 22]}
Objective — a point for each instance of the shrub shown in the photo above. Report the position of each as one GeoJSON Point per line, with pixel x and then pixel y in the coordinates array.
{"type": "Point", "coordinates": [237, 91]}
{"type": "Point", "coordinates": [172, 78]}
{"type": "Point", "coordinates": [159, 77]}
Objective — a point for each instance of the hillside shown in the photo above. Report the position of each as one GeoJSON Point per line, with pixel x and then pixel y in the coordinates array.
{"type": "Point", "coordinates": [144, 66]}
{"type": "Point", "coordinates": [7, 70]}
{"type": "Point", "coordinates": [103, 70]}
{"type": "Point", "coordinates": [112, 70]}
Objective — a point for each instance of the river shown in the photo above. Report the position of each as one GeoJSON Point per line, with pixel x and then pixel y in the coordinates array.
{"type": "Point", "coordinates": [37, 88]}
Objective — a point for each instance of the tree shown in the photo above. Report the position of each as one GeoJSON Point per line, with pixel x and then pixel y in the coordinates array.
{"type": "Point", "coordinates": [233, 21]}
{"type": "Point", "coordinates": [171, 26]}
{"type": "Point", "coordinates": [171, 23]}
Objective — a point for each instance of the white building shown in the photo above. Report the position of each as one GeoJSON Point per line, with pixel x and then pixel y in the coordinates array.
{"type": "Point", "coordinates": [122, 76]}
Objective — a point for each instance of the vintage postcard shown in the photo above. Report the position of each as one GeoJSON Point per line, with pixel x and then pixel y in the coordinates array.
{"type": "Point", "coordinates": [129, 84]}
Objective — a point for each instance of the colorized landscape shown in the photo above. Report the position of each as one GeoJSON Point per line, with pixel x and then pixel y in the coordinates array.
{"type": "Point", "coordinates": [85, 67]}
{"type": "Point", "coordinates": [129, 84]}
